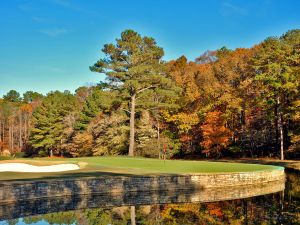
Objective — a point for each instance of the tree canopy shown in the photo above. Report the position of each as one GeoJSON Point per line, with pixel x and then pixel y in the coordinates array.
{"type": "Point", "coordinates": [233, 102]}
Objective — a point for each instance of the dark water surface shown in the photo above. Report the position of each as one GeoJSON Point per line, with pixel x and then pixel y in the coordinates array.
{"type": "Point", "coordinates": [273, 203]}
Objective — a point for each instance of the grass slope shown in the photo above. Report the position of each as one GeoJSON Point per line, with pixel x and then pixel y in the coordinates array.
{"type": "Point", "coordinates": [100, 166]}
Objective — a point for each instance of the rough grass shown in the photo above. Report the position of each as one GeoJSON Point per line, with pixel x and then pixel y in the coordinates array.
{"type": "Point", "coordinates": [101, 166]}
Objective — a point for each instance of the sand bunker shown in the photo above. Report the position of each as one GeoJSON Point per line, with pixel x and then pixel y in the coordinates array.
{"type": "Point", "coordinates": [26, 168]}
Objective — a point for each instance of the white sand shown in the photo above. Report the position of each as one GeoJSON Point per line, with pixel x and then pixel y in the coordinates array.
{"type": "Point", "coordinates": [26, 168]}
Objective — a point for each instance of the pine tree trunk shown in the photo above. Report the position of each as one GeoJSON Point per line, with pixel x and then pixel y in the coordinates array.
{"type": "Point", "coordinates": [281, 137]}
{"type": "Point", "coordinates": [280, 127]}
{"type": "Point", "coordinates": [132, 123]}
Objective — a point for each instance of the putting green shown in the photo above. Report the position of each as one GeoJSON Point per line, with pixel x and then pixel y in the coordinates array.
{"type": "Point", "coordinates": [113, 166]}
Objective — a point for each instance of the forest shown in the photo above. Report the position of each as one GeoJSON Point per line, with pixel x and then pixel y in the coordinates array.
{"type": "Point", "coordinates": [242, 102]}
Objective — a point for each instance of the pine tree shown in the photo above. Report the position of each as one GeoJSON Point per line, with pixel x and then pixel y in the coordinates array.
{"type": "Point", "coordinates": [99, 101]}
{"type": "Point", "coordinates": [31, 96]}
{"type": "Point", "coordinates": [134, 66]}
{"type": "Point", "coordinates": [12, 96]}
{"type": "Point", "coordinates": [53, 122]}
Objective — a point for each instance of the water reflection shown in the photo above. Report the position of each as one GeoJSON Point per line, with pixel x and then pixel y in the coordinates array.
{"type": "Point", "coordinates": [282, 207]}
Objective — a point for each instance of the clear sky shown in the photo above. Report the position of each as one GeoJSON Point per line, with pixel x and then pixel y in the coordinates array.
{"type": "Point", "coordinates": [50, 44]}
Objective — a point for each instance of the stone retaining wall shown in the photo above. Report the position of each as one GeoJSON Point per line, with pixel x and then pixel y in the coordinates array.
{"type": "Point", "coordinates": [30, 207]}
{"type": "Point", "coordinates": [24, 190]}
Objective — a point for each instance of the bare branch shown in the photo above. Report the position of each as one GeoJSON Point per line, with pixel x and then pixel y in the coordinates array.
{"type": "Point", "coordinates": [127, 111]}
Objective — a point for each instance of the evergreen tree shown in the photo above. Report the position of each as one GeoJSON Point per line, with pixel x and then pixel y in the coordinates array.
{"type": "Point", "coordinates": [52, 123]}
{"type": "Point", "coordinates": [99, 101]}
{"type": "Point", "coordinates": [276, 66]}
{"type": "Point", "coordinates": [31, 96]}
{"type": "Point", "coordinates": [12, 96]}
{"type": "Point", "coordinates": [134, 66]}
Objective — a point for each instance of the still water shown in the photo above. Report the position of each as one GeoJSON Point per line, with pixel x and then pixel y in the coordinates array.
{"type": "Point", "coordinates": [275, 203]}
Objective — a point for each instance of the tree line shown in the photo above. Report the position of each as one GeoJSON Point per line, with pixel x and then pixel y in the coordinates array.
{"type": "Point", "coordinates": [241, 102]}
{"type": "Point", "coordinates": [16, 120]}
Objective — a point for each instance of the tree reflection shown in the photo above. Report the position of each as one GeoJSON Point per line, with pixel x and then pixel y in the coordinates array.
{"type": "Point", "coordinates": [259, 210]}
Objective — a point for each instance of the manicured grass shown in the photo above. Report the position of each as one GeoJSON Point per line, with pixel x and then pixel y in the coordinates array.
{"type": "Point", "coordinates": [100, 166]}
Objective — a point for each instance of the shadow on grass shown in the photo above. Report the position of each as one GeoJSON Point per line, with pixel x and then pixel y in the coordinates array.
{"type": "Point", "coordinates": [11, 176]}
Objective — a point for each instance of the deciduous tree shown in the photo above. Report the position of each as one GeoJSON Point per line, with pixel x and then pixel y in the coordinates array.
{"type": "Point", "coordinates": [216, 136]}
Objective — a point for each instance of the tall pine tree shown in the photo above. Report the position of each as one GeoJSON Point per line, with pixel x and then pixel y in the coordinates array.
{"type": "Point", "coordinates": [134, 66]}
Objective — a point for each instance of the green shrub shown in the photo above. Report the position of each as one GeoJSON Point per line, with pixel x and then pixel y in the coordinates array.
{"type": "Point", "coordinates": [5, 157]}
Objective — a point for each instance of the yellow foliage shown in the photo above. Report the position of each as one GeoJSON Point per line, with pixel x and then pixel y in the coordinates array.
{"type": "Point", "coordinates": [184, 121]}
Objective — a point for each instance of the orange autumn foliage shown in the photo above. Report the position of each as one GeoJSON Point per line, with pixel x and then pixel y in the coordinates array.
{"type": "Point", "coordinates": [170, 211]}
{"type": "Point", "coordinates": [215, 135]}
{"type": "Point", "coordinates": [28, 108]}
{"type": "Point", "coordinates": [184, 74]}
{"type": "Point", "coordinates": [215, 209]}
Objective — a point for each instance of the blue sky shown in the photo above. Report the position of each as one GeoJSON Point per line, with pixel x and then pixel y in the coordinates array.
{"type": "Point", "coordinates": [50, 44]}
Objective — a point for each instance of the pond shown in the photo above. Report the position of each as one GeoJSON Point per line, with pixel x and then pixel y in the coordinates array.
{"type": "Point", "coordinates": [275, 203]}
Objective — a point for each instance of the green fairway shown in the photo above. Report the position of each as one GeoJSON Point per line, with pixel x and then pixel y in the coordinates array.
{"type": "Point", "coordinates": [100, 166]}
